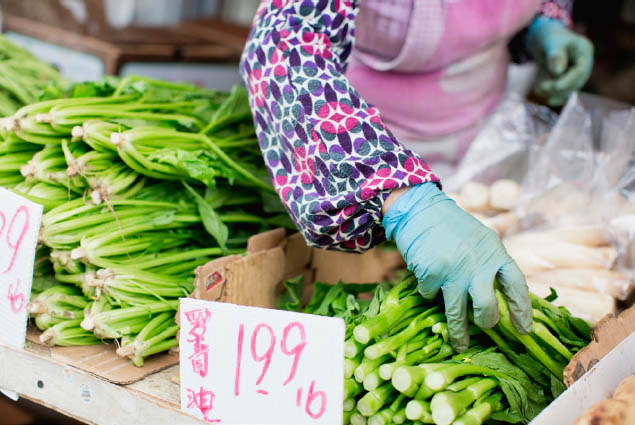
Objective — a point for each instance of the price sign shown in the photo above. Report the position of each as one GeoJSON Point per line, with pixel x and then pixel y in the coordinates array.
{"type": "Point", "coordinates": [247, 365]}
{"type": "Point", "coordinates": [19, 227]}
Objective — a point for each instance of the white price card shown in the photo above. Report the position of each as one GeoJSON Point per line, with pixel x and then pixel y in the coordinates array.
{"type": "Point", "coordinates": [19, 228]}
{"type": "Point", "coordinates": [255, 366]}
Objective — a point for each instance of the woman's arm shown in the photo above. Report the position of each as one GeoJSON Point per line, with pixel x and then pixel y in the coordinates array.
{"type": "Point", "coordinates": [331, 159]}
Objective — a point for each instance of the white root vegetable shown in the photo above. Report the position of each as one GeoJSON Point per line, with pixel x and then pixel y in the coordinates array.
{"type": "Point", "coordinates": [590, 306]}
{"type": "Point", "coordinates": [618, 410]}
{"type": "Point", "coordinates": [625, 391]}
{"type": "Point", "coordinates": [563, 201]}
{"type": "Point", "coordinates": [608, 412]}
{"type": "Point", "coordinates": [504, 194]}
{"type": "Point", "coordinates": [501, 223]}
{"type": "Point", "coordinates": [562, 254]}
{"type": "Point", "coordinates": [603, 281]}
{"type": "Point", "coordinates": [474, 197]}
{"type": "Point", "coordinates": [588, 235]}
{"type": "Point", "coordinates": [527, 259]}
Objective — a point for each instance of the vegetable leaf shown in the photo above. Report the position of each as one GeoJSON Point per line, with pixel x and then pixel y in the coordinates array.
{"type": "Point", "coordinates": [291, 299]}
{"type": "Point", "coordinates": [199, 165]}
{"type": "Point", "coordinates": [211, 219]}
{"type": "Point", "coordinates": [552, 296]}
{"type": "Point", "coordinates": [521, 392]}
{"type": "Point", "coordinates": [319, 292]}
{"type": "Point", "coordinates": [235, 108]}
{"type": "Point", "coordinates": [506, 416]}
{"type": "Point", "coordinates": [557, 386]}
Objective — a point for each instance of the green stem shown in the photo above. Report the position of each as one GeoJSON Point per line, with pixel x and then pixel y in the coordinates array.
{"type": "Point", "coordinates": [532, 346]}
{"type": "Point", "coordinates": [446, 406]}
{"type": "Point", "coordinates": [374, 400]}
{"type": "Point", "coordinates": [424, 320]}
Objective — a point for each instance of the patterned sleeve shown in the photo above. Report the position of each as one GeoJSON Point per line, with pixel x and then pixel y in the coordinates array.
{"type": "Point", "coordinates": [557, 9]}
{"type": "Point", "coordinates": [331, 159]}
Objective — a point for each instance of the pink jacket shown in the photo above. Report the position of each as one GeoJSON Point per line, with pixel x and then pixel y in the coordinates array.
{"type": "Point", "coordinates": [435, 68]}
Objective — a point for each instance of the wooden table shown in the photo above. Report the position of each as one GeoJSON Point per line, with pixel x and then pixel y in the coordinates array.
{"type": "Point", "coordinates": [34, 375]}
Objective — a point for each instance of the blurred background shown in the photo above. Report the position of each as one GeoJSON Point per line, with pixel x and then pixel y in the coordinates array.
{"type": "Point", "coordinates": [200, 41]}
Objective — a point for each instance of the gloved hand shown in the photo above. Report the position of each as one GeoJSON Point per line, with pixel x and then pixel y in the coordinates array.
{"type": "Point", "coordinates": [448, 249]}
{"type": "Point", "coordinates": [564, 57]}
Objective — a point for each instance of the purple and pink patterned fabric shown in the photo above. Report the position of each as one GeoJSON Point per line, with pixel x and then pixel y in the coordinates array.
{"type": "Point", "coordinates": [332, 160]}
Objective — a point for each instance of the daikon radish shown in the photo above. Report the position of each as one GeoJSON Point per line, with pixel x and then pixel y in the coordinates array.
{"type": "Point", "coordinates": [527, 259]}
{"type": "Point", "coordinates": [588, 235]}
{"type": "Point", "coordinates": [623, 226]}
{"type": "Point", "coordinates": [562, 201]}
{"type": "Point", "coordinates": [504, 194]}
{"type": "Point", "coordinates": [608, 412]}
{"type": "Point", "coordinates": [603, 281]}
{"type": "Point", "coordinates": [502, 223]}
{"type": "Point", "coordinates": [564, 254]}
{"type": "Point", "coordinates": [590, 306]}
{"type": "Point", "coordinates": [474, 196]}
{"type": "Point", "coordinates": [625, 391]}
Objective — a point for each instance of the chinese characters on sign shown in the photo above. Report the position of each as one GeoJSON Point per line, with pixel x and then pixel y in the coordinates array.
{"type": "Point", "coordinates": [19, 228]}
{"type": "Point", "coordinates": [287, 367]}
{"type": "Point", "coordinates": [197, 320]}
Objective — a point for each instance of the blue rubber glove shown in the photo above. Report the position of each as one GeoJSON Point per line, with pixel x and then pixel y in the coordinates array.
{"type": "Point", "coordinates": [564, 57]}
{"type": "Point", "coordinates": [448, 249]}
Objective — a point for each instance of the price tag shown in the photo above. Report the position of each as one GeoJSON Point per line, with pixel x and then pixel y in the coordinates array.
{"type": "Point", "coordinates": [246, 365]}
{"type": "Point", "coordinates": [19, 227]}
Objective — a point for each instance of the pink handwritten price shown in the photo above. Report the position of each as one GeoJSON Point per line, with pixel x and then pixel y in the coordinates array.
{"type": "Point", "coordinates": [14, 234]}
{"type": "Point", "coordinates": [262, 330]}
{"type": "Point", "coordinates": [234, 356]}
{"type": "Point", "coordinates": [19, 227]}
{"type": "Point", "coordinates": [16, 298]}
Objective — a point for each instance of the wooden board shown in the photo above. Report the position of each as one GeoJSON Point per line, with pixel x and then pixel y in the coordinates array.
{"type": "Point", "coordinates": [102, 360]}
{"type": "Point", "coordinates": [83, 396]}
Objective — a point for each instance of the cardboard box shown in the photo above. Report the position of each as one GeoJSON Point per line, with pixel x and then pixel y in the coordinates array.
{"type": "Point", "coordinates": [256, 278]}
{"type": "Point", "coordinates": [606, 335]}
{"type": "Point", "coordinates": [596, 385]}
{"type": "Point", "coordinates": [102, 360]}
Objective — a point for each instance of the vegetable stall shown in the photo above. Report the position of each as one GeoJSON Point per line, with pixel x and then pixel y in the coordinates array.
{"type": "Point", "coordinates": [153, 191]}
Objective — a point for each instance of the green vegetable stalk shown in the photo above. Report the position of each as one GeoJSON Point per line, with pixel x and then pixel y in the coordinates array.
{"type": "Point", "coordinates": [158, 335]}
{"type": "Point", "coordinates": [446, 406]}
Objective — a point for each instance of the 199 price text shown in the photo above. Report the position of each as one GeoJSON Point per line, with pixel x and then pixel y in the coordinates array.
{"type": "Point", "coordinates": [264, 331]}
{"type": "Point", "coordinates": [286, 367]}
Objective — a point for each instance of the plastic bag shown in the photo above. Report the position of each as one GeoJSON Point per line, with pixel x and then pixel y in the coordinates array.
{"type": "Point", "coordinates": [578, 174]}
{"type": "Point", "coordinates": [501, 147]}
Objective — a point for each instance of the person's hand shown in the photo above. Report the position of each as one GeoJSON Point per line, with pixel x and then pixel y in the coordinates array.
{"type": "Point", "coordinates": [564, 57]}
{"type": "Point", "coordinates": [448, 249]}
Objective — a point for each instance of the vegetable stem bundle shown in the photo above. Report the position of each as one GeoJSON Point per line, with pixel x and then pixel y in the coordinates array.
{"type": "Point", "coordinates": [399, 366]}
{"type": "Point", "coordinates": [141, 181]}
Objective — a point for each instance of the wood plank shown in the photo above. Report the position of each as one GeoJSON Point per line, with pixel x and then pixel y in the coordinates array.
{"type": "Point", "coordinates": [83, 396]}
{"type": "Point", "coordinates": [60, 37]}
{"type": "Point", "coordinates": [161, 385]}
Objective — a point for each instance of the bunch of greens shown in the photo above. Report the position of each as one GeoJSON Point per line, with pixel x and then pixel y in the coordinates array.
{"type": "Point", "coordinates": [399, 366]}
{"type": "Point", "coordinates": [22, 77]}
{"type": "Point", "coordinates": [141, 181]}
